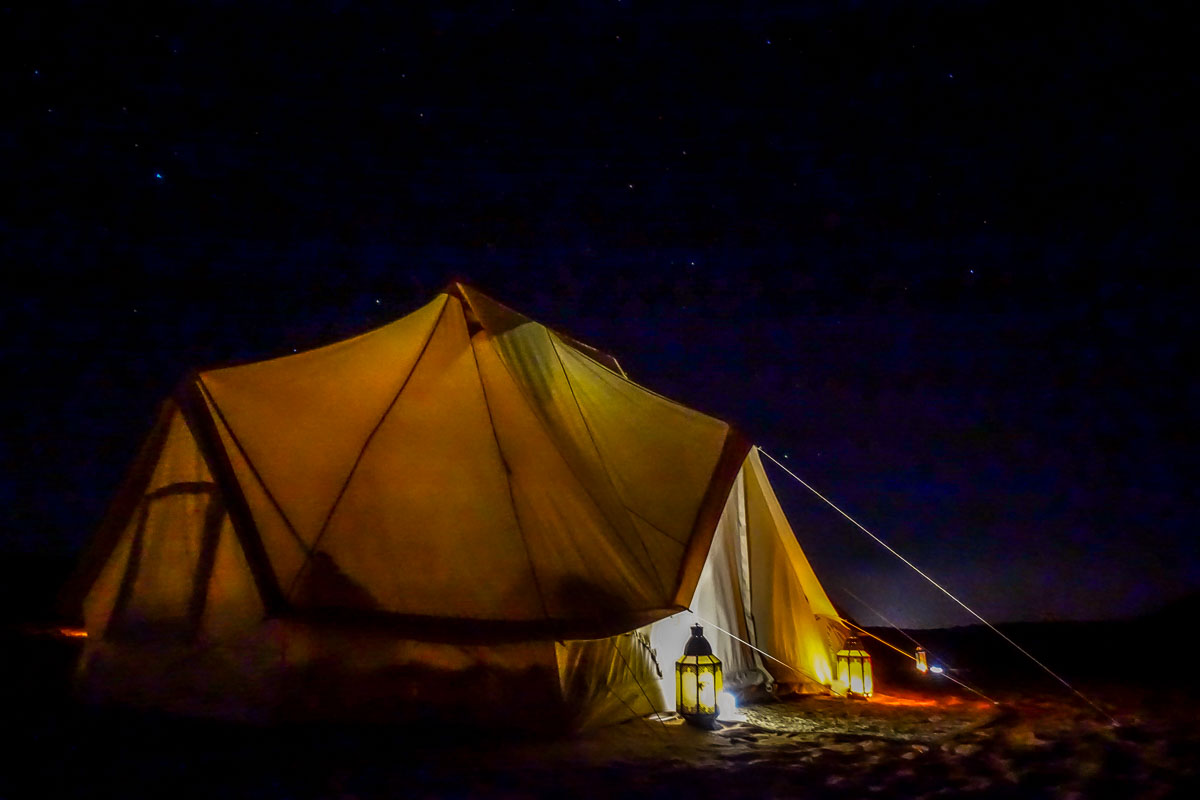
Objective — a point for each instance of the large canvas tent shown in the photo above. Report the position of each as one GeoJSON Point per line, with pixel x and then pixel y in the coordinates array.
{"type": "Point", "coordinates": [462, 510]}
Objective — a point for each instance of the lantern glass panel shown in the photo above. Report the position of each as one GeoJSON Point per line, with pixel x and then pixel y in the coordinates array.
{"type": "Point", "coordinates": [687, 694]}
{"type": "Point", "coordinates": [698, 683]}
{"type": "Point", "coordinates": [854, 669]}
{"type": "Point", "coordinates": [706, 694]}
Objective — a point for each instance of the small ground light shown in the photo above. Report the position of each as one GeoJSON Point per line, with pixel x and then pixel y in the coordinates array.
{"type": "Point", "coordinates": [854, 669]}
{"type": "Point", "coordinates": [727, 708]}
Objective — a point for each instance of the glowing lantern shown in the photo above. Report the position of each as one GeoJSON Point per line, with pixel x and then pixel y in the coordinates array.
{"type": "Point", "coordinates": [698, 681]}
{"type": "Point", "coordinates": [854, 669]}
{"type": "Point", "coordinates": [922, 660]}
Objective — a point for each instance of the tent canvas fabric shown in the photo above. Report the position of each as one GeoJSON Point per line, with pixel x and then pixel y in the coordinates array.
{"type": "Point", "coordinates": [462, 510]}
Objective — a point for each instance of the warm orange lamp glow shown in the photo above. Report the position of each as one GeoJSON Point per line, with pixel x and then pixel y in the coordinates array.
{"type": "Point", "coordinates": [922, 660]}
{"type": "Point", "coordinates": [698, 681]}
{"type": "Point", "coordinates": [854, 669]}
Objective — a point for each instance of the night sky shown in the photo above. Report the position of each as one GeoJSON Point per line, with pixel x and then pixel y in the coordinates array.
{"type": "Point", "coordinates": [941, 256]}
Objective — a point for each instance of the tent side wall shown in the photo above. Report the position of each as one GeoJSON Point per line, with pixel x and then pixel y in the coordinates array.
{"type": "Point", "coordinates": [605, 681]}
{"type": "Point", "coordinates": [176, 622]}
{"type": "Point", "coordinates": [152, 575]}
{"type": "Point", "coordinates": [116, 519]}
{"type": "Point", "coordinates": [172, 588]}
{"type": "Point", "coordinates": [286, 671]}
{"type": "Point", "coordinates": [794, 619]}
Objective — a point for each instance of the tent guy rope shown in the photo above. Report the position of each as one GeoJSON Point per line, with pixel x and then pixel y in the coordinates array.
{"type": "Point", "coordinates": [761, 651]}
{"type": "Point", "coordinates": [941, 588]}
{"type": "Point", "coordinates": [911, 657]}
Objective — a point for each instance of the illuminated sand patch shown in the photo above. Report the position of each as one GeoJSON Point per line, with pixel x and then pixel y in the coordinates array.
{"type": "Point", "coordinates": [904, 719]}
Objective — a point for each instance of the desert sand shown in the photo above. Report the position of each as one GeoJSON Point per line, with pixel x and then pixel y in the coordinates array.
{"type": "Point", "coordinates": [916, 738]}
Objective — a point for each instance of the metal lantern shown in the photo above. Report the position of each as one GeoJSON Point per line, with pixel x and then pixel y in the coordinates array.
{"type": "Point", "coordinates": [698, 681]}
{"type": "Point", "coordinates": [854, 669]}
{"type": "Point", "coordinates": [922, 660]}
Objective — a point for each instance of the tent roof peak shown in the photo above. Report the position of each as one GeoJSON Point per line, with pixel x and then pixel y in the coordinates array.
{"type": "Point", "coordinates": [484, 312]}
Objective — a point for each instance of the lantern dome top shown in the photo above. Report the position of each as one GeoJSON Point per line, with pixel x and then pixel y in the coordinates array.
{"type": "Point", "coordinates": [853, 648]}
{"type": "Point", "coordinates": [697, 645]}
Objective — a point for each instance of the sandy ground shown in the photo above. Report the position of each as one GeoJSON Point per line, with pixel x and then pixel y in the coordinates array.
{"type": "Point", "coordinates": [910, 744]}
{"type": "Point", "coordinates": [895, 747]}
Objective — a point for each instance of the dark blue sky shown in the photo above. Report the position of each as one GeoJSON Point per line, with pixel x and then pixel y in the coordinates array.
{"type": "Point", "coordinates": [941, 255]}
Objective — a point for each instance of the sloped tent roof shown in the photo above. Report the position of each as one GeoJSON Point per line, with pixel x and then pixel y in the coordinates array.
{"type": "Point", "coordinates": [461, 474]}
{"type": "Point", "coordinates": [463, 492]}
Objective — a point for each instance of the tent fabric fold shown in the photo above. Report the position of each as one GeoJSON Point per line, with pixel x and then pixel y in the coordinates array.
{"type": "Point", "coordinates": [463, 477]}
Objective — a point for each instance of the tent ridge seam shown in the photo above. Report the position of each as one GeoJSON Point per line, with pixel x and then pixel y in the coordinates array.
{"type": "Point", "coordinates": [366, 443]}
{"type": "Point", "coordinates": [600, 458]}
{"type": "Point", "coordinates": [554, 440]}
{"type": "Point", "coordinates": [250, 463]}
{"type": "Point", "coordinates": [654, 527]}
{"type": "Point", "coordinates": [508, 481]}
